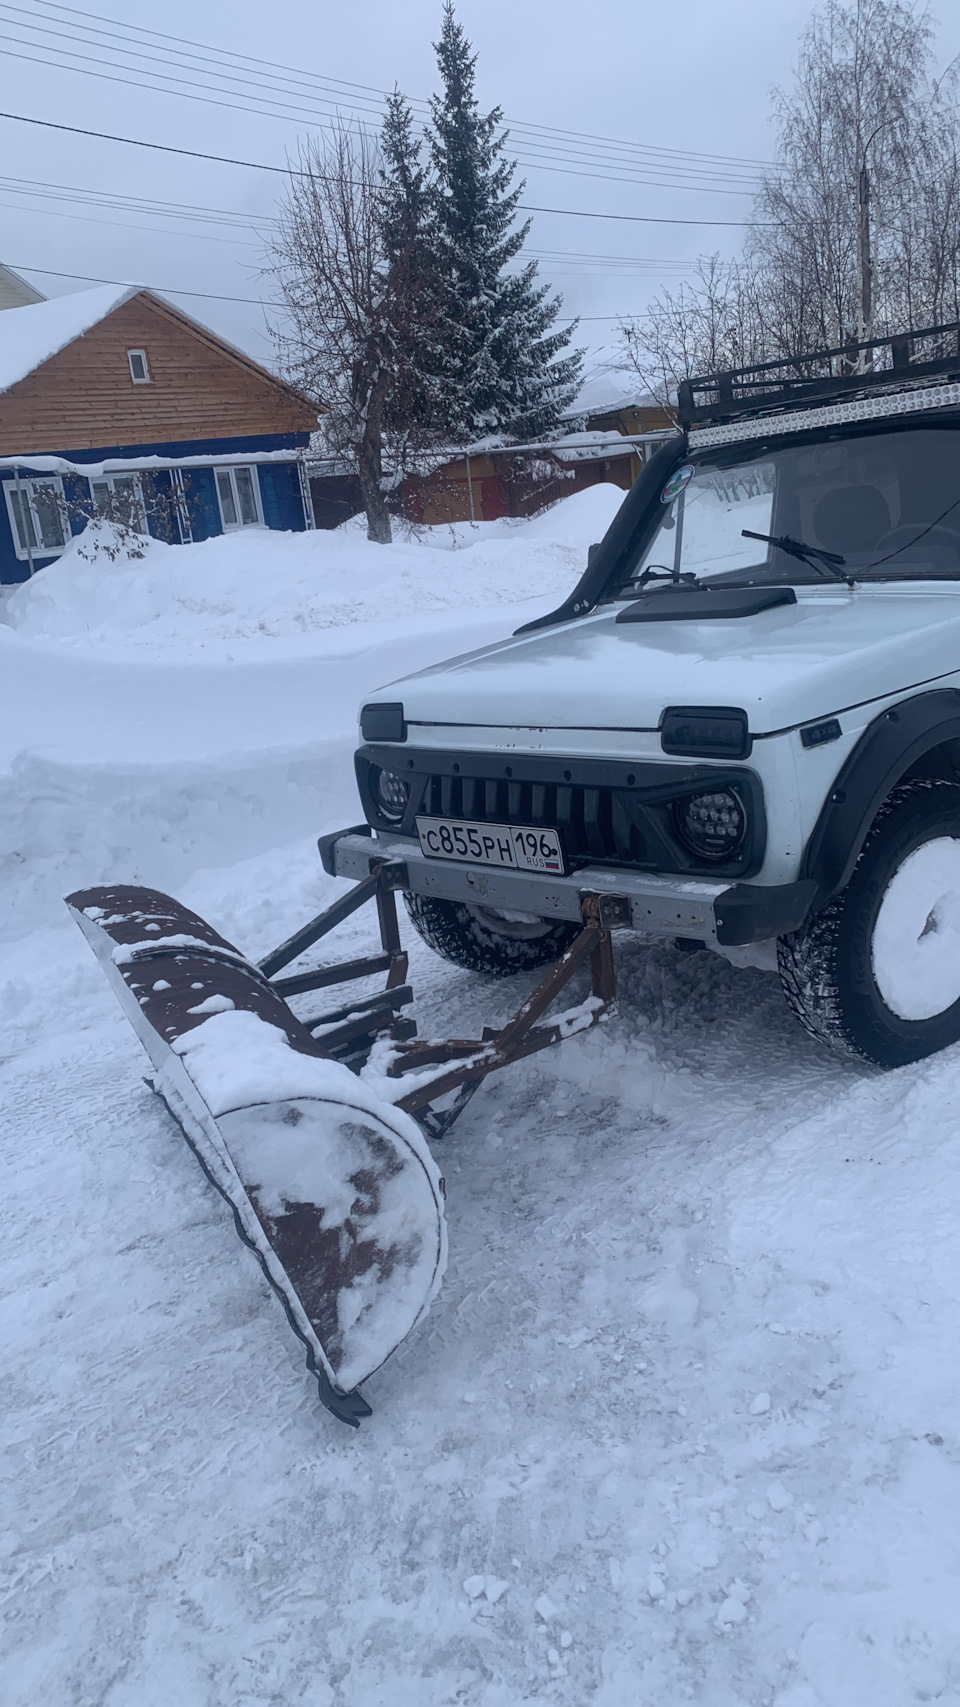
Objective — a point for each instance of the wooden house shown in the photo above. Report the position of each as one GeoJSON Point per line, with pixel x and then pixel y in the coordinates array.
{"type": "Point", "coordinates": [605, 437]}
{"type": "Point", "coordinates": [112, 401]}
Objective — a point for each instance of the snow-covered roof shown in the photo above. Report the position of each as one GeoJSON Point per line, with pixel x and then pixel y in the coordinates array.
{"type": "Point", "coordinates": [591, 446]}
{"type": "Point", "coordinates": [610, 383]}
{"type": "Point", "coordinates": [30, 336]}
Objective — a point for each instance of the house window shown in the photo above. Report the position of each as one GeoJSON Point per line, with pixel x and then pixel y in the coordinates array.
{"type": "Point", "coordinates": [119, 498]}
{"type": "Point", "coordinates": [38, 519]}
{"type": "Point", "coordinates": [238, 490]}
{"type": "Point", "coordinates": [139, 371]}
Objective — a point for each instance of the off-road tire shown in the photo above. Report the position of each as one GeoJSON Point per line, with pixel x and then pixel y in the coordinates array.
{"type": "Point", "coordinates": [469, 936]}
{"type": "Point", "coordinates": [826, 967]}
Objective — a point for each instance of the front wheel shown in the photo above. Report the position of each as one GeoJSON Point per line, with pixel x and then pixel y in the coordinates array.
{"type": "Point", "coordinates": [876, 974]}
{"type": "Point", "coordinates": [488, 939]}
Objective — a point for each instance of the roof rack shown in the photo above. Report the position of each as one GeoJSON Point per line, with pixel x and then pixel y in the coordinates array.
{"type": "Point", "coordinates": [796, 382]}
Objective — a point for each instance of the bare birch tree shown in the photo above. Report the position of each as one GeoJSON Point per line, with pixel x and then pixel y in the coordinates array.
{"type": "Point", "coordinates": [856, 230]}
{"type": "Point", "coordinates": [709, 324]}
{"type": "Point", "coordinates": [348, 306]}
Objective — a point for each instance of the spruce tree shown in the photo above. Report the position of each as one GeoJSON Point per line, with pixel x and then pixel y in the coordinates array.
{"type": "Point", "coordinates": [503, 368]}
{"type": "Point", "coordinates": [408, 232]}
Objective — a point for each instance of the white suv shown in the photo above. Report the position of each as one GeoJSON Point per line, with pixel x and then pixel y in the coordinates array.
{"type": "Point", "coordinates": [745, 721]}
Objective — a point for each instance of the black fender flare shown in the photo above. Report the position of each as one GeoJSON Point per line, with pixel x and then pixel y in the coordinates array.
{"type": "Point", "coordinates": [885, 751]}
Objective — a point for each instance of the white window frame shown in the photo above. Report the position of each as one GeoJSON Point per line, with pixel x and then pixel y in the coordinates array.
{"type": "Point", "coordinates": [109, 480]}
{"type": "Point", "coordinates": [145, 377]}
{"type": "Point", "coordinates": [26, 486]}
{"type": "Point", "coordinates": [232, 470]}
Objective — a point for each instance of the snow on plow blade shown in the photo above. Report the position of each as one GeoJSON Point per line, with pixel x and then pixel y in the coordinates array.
{"type": "Point", "coordinates": [337, 1193]}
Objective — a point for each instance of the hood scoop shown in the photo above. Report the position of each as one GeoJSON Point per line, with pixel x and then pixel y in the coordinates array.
{"type": "Point", "coordinates": [705, 604]}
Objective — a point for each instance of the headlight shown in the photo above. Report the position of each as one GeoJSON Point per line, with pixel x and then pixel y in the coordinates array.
{"type": "Point", "coordinates": [391, 794]}
{"type": "Point", "coordinates": [712, 826]}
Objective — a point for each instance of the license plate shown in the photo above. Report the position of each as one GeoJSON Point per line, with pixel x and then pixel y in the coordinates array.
{"type": "Point", "coordinates": [520, 846]}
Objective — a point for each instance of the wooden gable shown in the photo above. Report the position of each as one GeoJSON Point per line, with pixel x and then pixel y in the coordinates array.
{"type": "Point", "coordinates": [85, 398]}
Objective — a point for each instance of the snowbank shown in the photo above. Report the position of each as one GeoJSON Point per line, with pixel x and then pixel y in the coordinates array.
{"type": "Point", "coordinates": [153, 715]}
{"type": "Point", "coordinates": [259, 585]}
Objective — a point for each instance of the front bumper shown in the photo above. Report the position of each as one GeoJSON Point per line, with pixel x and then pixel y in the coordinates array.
{"type": "Point", "coordinates": [718, 914]}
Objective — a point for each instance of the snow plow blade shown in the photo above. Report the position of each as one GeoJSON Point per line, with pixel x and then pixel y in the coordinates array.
{"type": "Point", "coordinates": [335, 1192]}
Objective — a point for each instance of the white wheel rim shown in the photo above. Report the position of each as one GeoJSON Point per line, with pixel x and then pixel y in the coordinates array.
{"type": "Point", "coordinates": [916, 939]}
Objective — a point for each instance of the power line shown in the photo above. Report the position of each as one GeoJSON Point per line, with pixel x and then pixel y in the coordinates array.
{"type": "Point", "coordinates": [217, 62]}
{"type": "Point", "coordinates": [122, 202]}
{"type": "Point", "coordinates": [720, 172]}
{"type": "Point", "coordinates": [297, 172]}
{"type": "Point", "coordinates": [214, 296]}
{"type": "Point", "coordinates": [167, 290]}
{"type": "Point", "coordinates": [256, 223]}
{"type": "Point", "coordinates": [87, 219]}
{"type": "Point", "coordinates": [303, 114]}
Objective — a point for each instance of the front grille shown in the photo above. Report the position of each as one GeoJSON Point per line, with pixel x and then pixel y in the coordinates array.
{"type": "Point", "coordinates": [594, 823]}
{"type": "Point", "coordinates": [609, 812]}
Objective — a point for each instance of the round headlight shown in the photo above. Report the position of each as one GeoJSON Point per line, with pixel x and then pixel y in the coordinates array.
{"type": "Point", "coordinates": [391, 794]}
{"type": "Point", "coordinates": [712, 825]}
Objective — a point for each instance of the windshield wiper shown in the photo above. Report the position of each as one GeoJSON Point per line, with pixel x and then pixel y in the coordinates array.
{"type": "Point", "coordinates": [829, 561]}
{"type": "Point", "coordinates": [660, 572]}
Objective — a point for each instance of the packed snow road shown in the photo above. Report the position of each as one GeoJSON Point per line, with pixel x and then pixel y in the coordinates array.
{"type": "Point", "coordinates": [683, 1423]}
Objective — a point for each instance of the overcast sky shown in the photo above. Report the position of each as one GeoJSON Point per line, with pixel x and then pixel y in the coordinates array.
{"type": "Point", "coordinates": [693, 78]}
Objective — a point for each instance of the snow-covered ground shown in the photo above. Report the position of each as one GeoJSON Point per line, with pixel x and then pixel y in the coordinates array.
{"type": "Point", "coordinates": [683, 1424]}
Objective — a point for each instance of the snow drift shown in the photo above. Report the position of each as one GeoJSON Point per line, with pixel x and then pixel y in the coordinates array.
{"type": "Point", "coordinates": [258, 585]}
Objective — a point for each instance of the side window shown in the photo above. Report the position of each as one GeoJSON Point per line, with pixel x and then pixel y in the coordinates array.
{"type": "Point", "coordinates": [37, 515]}
{"type": "Point", "coordinates": [238, 490]}
{"type": "Point", "coordinates": [139, 371]}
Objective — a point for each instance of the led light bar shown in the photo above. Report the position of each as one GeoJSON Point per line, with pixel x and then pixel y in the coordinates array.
{"type": "Point", "coordinates": [800, 420]}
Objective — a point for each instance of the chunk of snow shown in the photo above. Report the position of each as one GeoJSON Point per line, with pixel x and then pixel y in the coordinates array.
{"type": "Point", "coordinates": [473, 1586]}
{"type": "Point", "coordinates": [545, 1609]}
{"type": "Point", "coordinates": [213, 1005]}
{"type": "Point", "coordinates": [778, 1497]}
{"type": "Point", "coordinates": [494, 1588]}
{"type": "Point", "coordinates": [656, 1587]}
{"type": "Point", "coordinates": [731, 1612]}
{"type": "Point", "coordinates": [760, 1405]}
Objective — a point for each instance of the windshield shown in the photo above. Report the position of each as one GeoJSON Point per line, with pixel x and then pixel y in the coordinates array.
{"type": "Point", "coordinates": [881, 504]}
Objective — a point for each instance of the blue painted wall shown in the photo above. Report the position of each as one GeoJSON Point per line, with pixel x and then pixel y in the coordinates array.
{"type": "Point", "coordinates": [280, 495]}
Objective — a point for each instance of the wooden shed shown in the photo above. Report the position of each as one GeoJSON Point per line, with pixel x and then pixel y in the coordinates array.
{"type": "Point", "coordinates": [112, 401]}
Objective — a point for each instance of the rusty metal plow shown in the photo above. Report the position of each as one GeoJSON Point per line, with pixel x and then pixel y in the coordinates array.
{"type": "Point", "coordinates": [329, 1176]}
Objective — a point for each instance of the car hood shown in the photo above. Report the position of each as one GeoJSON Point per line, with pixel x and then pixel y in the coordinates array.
{"type": "Point", "coordinates": [834, 648]}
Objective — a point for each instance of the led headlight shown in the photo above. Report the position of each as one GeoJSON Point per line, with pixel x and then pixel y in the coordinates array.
{"type": "Point", "coordinates": [712, 826]}
{"type": "Point", "coordinates": [391, 794]}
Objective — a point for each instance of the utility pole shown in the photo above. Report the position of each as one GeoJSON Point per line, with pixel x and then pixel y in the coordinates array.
{"type": "Point", "coordinates": [866, 260]}
{"type": "Point", "coordinates": [865, 256]}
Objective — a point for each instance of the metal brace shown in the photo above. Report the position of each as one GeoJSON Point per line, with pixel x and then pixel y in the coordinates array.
{"type": "Point", "coordinates": [348, 1032]}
